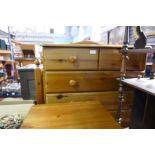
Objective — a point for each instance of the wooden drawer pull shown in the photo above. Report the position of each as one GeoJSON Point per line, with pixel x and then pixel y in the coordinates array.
{"type": "Point", "coordinates": [73, 83]}
{"type": "Point", "coordinates": [72, 59]}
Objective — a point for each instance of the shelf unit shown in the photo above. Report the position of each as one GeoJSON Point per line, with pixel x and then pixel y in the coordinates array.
{"type": "Point", "coordinates": [29, 54]}
{"type": "Point", "coordinates": [5, 55]}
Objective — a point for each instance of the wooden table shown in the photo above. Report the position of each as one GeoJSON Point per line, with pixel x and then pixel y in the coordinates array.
{"type": "Point", "coordinates": [75, 115]}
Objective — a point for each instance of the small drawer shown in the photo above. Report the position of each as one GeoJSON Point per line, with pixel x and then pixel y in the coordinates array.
{"type": "Point", "coordinates": [70, 58]}
{"type": "Point", "coordinates": [110, 59]}
{"type": "Point", "coordinates": [79, 81]}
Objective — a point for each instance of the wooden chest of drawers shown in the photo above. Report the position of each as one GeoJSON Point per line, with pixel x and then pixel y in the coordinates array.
{"type": "Point", "coordinates": [82, 72]}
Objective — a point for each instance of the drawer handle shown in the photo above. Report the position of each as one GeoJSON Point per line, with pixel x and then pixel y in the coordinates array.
{"type": "Point", "coordinates": [72, 59]}
{"type": "Point", "coordinates": [73, 83]}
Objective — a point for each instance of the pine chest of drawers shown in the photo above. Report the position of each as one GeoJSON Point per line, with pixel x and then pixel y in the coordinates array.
{"type": "Point", "coordinates": [82, 72]}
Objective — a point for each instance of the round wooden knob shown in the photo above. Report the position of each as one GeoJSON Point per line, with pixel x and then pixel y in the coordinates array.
{"type": "Point", "coordinates": [72, 83]}
{"type": "Point", "coordinates": [72, 59]}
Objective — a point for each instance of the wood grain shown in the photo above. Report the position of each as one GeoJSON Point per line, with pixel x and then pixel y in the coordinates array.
{"type": "Point", "coordinates": [83, 45]}
{"type": "Point", "coordinates": [110, 59]}
{"type": "Point", "coordinates": [39, 86]}
{"type": "Point", "coordinates": [85, 81]}
{"type": "Point", "coordinates": [60, 58]}
{"type": "Point", "coordinates": [108, 98]}
{"type": "Point", "coordinates": [77, 115]}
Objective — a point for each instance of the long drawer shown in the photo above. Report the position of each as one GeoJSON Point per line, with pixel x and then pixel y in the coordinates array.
{"type": "Point", "coordinates": [80, 81]}
{"type": "Point", "coordinates": [110, 59]}
{"type": "Point", "coordinates": [109, 99]}
{"type": "Point", "coordinates": [63, 58]}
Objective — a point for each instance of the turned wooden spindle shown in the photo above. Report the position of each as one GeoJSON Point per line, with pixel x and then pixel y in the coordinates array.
{"type": "Point", "coordinates": [125, 58]}
{"type": "Point", "coordinates": [124, 52]}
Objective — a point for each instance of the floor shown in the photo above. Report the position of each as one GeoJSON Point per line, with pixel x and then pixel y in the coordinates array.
{"type": "Point", "coordinates": [9, 106]}
{"type": "Point", "coordinates": [15, 106]}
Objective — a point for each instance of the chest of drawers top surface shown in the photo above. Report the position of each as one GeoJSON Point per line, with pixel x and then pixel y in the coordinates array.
{"type": "Point", "coordinates": [81, 45]}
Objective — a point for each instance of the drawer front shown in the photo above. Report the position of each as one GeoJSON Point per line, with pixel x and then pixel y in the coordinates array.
{"type": "Point", "coordinates": [70, 58]}
{"type": "Point", "coordinates": [79, 81]}
{"type": "Point", "coordinates": [104, 97]}
{"type": "Point", "coordinates": [110, 59]}
{"type": "Point", "coordinates": [109, 99]}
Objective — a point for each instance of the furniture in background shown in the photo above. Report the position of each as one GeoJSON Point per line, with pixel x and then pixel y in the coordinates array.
{"type": "Point", "coordinates": [26, 67]}
{"type": "Point", "coordinates": [75, 115]}
{"type": "Point", "coordinates": [9, 64]}
{"type": "Point", "coordinates": [27, 80]}
{"type": "Point", "coordinates": [26, 75]}
{"type": "Point", "coordinates": [85, 72]}
{"type": "Point", "coordinates": [5, 55]}
{"type": "Point", "coordinates": [143, 111]}
{"type": "Point", "coordinates": [115, 35]}
{"type": "Point", "coordinates": [29, 54]}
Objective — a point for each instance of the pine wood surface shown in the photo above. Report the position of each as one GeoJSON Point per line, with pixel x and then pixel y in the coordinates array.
{"type": "Point", "coordinates": [107, 98]}
{"type": "Point", "coordinates": [70, 58]}
{"type": "Point", "coordinates": [110, 59]}
{"type": "Point", "coordinates": [82, 81]}
{"type": "Point", "coordinates": [77, 115]}
{"type": "Point", "coordinates": [78, 81]}
{"type": "Point", "coordinates": [39, 86]}
{"type": "Point", "coordinates": [83, 45]}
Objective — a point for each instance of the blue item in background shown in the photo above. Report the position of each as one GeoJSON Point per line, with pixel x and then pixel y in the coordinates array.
{"type": "Point", "coordinates": [148, 70]}
{"type": "Point", "coordinates": [2, 45]}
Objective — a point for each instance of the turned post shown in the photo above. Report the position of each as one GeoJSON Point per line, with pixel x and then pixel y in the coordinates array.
{"type": "Point", "coordinates": [124, 53]}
